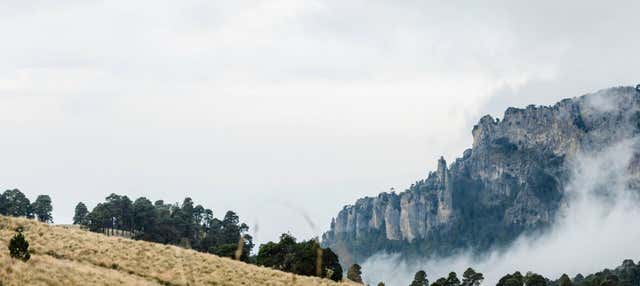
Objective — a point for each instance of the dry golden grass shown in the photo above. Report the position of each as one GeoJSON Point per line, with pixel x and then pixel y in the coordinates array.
{"type": "Point", "coordinates": [70, 256]}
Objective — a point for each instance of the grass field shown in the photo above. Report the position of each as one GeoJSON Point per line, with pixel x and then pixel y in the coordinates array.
{"type": "Point", "coordinates": [70, 256]}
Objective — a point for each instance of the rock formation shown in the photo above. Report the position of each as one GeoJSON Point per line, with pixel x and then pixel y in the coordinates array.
{"type": "Point", "coordinates": [511, 181]}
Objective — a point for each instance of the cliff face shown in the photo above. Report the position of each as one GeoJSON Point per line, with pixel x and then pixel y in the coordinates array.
{"type": "Point", "coordinates": [511, 181]}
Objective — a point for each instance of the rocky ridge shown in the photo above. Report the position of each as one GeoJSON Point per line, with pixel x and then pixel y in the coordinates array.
{"type": "Point", "coordinates": [511, 181]}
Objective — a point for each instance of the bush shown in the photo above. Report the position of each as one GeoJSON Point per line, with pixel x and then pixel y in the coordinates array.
{"type": "Point", "coordinates": [19, 247]}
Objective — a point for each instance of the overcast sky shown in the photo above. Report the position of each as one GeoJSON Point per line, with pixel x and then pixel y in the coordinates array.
{"type": "Point", "coordinates": [279, 109]}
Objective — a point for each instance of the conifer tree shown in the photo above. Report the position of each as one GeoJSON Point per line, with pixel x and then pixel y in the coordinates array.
{"type": "Point", "coordinates": [420, 279]}
{"type": "Point", "coordinates": [19, 247]}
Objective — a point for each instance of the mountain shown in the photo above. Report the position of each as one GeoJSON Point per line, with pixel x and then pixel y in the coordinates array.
{"type": "Point", "coordinates": [510, 182]}
{"type": "Point", "coordinates": [70, 256]}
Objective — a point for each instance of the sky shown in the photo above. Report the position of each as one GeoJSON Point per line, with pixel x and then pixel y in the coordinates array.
{"type": "Point", "coordinates": [281, 110]}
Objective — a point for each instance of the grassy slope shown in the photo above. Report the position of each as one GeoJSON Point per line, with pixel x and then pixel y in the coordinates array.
{"type": "Point", "coordinates": [68, 256]}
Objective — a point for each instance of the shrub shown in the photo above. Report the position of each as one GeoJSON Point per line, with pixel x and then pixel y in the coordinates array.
{"type": "Point", "coordinates": [19, 247]}
{"type": "Point", "coordinates": [355, 273]}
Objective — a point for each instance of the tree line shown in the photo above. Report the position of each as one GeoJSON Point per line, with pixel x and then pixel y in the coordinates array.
{"type": "Point", "coordinates": [15, 203]}
{"type": "Point", "coordinates": [195, 227]}
{"type": "Point", "coordinates": [627, 274]}
{"type": "Point", "coordinates": [469, 278]}
{"type": "Point", "coordinates": [186, 224]}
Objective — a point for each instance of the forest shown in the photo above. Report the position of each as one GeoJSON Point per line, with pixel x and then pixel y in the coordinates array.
{"type": "Point", "coordinates": [186, 224]}
{"type": "Point", "coordinates": [192, 226]}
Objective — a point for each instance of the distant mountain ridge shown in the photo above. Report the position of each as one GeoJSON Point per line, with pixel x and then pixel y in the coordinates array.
{"type": "Point", "coordinates": [510, 182]}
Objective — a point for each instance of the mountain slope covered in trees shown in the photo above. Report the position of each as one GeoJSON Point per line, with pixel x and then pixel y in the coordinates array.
{"type": "Point", "coordinates": [71, 256]}
{"type": "Point", "coordinates": [185, 224]}
{"type": "Point", "coordinates": [181, 225]}
{"type": "Point", "coordinates": [511, 182]}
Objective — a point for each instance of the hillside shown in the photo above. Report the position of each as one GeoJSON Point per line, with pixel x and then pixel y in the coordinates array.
{"type": "Point", "coordinates": [511, 181]}
{"type": "Point", "coordinates": [69, 256]}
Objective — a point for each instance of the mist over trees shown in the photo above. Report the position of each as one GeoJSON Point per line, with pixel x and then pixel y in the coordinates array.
{"type": "Point", "coordinates": [470, 277]}
{"type": "Point", "coordinates": [185, 224]}
{"type": "Point", "coordinates": [15, 203]}
{"type": "Point", "coordinates": [627, 274]}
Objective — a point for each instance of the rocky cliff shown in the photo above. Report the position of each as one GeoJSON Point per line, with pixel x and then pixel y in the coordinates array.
{"type": "Point", "coordinates": [511, 181]}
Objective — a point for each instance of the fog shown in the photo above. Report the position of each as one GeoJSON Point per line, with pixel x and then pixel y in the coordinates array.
{"type": "Point", "coordinates": [592, 230]}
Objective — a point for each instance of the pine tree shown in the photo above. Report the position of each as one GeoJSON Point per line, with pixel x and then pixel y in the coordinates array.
{"type": "Point", "coordinates": [80, 214]}
{"type": "Point", "coordinates": [452, 280]}
{"type": "Point", "coordinates": [420, 279]}
{"type": "Point", "coordinates": [19, 247]}
{"type": "Point", "coordinates": [42, 208]}
{"type": "Point", "coordinates": [15, 203]}
{"type": "Point", "coordinates": [565, 280]}
{"type": "Point", "coordinates": [440, 282]}
{"type": "Point", "coordinates": [472, 278]}
{"type": "Point", "coordinates": [534, 279]}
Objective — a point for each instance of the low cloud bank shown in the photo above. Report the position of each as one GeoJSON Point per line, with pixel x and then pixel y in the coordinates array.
{"type": "Point", "coordinates": [596, 228]}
